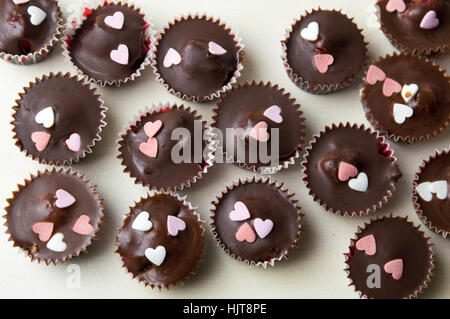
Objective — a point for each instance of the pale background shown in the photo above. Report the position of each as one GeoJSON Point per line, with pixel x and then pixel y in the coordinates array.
{"type": "Point", "coordinates": [314, 270]}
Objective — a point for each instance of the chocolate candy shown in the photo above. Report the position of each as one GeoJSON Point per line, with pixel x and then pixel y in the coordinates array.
{"type": "Point", "coordinates": [161, 240]}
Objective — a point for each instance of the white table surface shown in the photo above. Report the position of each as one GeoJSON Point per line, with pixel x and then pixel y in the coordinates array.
{"type": "Point", "coordinates": [314, 270]}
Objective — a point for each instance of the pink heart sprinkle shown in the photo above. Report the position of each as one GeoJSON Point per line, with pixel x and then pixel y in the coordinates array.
{"type": "Point", "coordinates": [367, 244]}
{"type": "Point", "coordinates": [398, 5]}
{"type": "Point", "coordinates": [172, 58]}
{"type": "Point", "coordinates": [44, 230]}
{"type": "Point", "coordinates": [150, 148]}
{"type": "Point", "coordinates": [64, 199]}
{"type": "Point", "coordinates": [20, 1]}
{"type": "Point", "coordinates": [394, 267]}
{"type": "Point", "coordinates": [390, 87]}
{"type": "Point", "coordinates": [375, 74]}
{"type": "Point", "coordinates": [322, 61]}
{"type": "Point", "coordinates": [259, 132]}
{"type": "Point", "coordinates": [274, 113]}
{"type": "Point", "coordinates": [73, 143]}
{"type": "Point", "coordinates": [151, 128]}
{"type": "Point", "coordinates": [40, 140]}
{"type": "Point", "coordinates": [240, 212]}
{"type": "Point", "coordinates": [346, 170]}
{"type": "Point", "coordinates": [430, 20]}
{"type": "Point", "coordinates": [174, 225]}
{"type": "Point", "coordinates": [121, 55]}
{"type": "Point", "coordinates": [216, 49]}
{"type": "Point", "coordinates": [245, 232]}
{"type": "Point", "coordinates": [116, 20]}
{"type": "Point", "coordinates": [263, 227]}
{"type": "Point", "coordinates": [82, 225]}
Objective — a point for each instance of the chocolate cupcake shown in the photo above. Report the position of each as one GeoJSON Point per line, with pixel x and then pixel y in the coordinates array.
{"type": "Point", "coordinates": [324, 51]}
{"type": "Point", "coordinates": [406, 98]}
{"type": "Point", "coordinates": [161, 240]}
{"type": "Point", "coordinates": [111, 45]}
{"type": "Point", "coordinates": [416, 26]}
{"type": "Point", "coordinates": [29, 29]}
{"type": "Point", "coordinates": [197, 57]}
{"type": "Point", "coordinates": [58, 119]}
{"type": "Point", "coordinates": [54, 216]}
{"type": "Point", "coordinates": [149, 154]}
{"type": "Point", "coordinates": [389, 258]}
{"type": "Point", "coordinates": [431, 192]}
{"type": "Point", "coordinates": [254, 108]}
{"type": "Point", "coordinates": [256, 221]}
{"type": "Point", "coordinates": [350, 170]}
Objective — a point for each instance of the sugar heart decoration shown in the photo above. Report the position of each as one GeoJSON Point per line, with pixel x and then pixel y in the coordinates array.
{"type": "Point", "coordinates": [322, 61]}
{"type": "Point", "coordinates": [156, 255]}
{"type": "Point", "coordinates": [398, 5]}
{"type": "Point", "coordinates": [367, 244]}
{"type": "Point", "coordinates": [18, 2]}
{"type": "Point", "coordinates": [56, 243]}
{"type": "Point", "coordinates": [274, 113]}
{"type": "Point", "coordinates": [263, 227]}
{"type": "Point", "coordinates": [401, 112]}
{"type": "Point", "coordinates": [64, 199]}
{"type": "Point", "coordinates": [73, 143]}
{"type": "Point", "coordinates": [394, 267]}
{"type": "Point", "coordinates": [40, 140]}
{"type": "Point", "coordinates": [45, 117]}
{"type": "Point", "coordinates": [116, 20]}
{"type": "Point", "coordinates": [427, 189]}
{"type": "Point", "coordinates": [142, 222]}
{"type": "Point", "coordinates": [375, 74]}
{"type": "Point", "coordinates": [175, 225]}
{"type": "Point", "coordinates": [82, 225]}
{"type": "Point", "coordinates": [311, 32]}
{"type": "Point", "coordinates": [409, 92]}
{"type": "Point", "coordinates": [245, 232]}
{"type": "Point", "coordinates": [216, 49]}
{"type": "Point", "coordinates": [37, 15]}
{"type": "Point", "coordinates": [150, 148]}
{"type": "Point", "coordinates": [240, 212]}
{"type": "Point", "coordinates": [44, 230]}
{"type": "Point", "coordinates": [259, 132]}
{"type": "Point", "coordinates": [430, 20]}
{"type": "Point", "coordinates": [346, 170]}
{"type": "Point", "coordinates": [121, 55]}
{"type": "Point", "coordinates": [423, 189]}
{"type": "Point", "coordinates": [360, 183]}
{"type": "Point", "coordinates": [390, 87]}
{"type": "Point", "coordinates": [152, 128]}
{"type": "Point", "coordinates": [172, 58]}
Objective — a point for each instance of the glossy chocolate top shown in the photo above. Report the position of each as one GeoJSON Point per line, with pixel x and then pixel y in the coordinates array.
{"type": "Point", "coordinates": [18, 35]}
{"type": "Point", "coordinates": [182, 251]}
{"type": "Point", "coordinates": [395, 238]}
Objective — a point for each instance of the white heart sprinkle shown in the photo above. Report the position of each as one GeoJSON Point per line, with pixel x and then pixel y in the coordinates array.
{"type": "Point", "coordinates": [73, 143]}
{"type": "Point", "coordinates": [172, 58]}
{"type": "Point", "coordinates": [121, 55]}
{"type": "Point", "coordinates": [360, 183]}
{"type": "Point", "coordinates": [216, 49]}
{"type": "Point", "coordinates": [156, 255]}
{"type": "Point", "coordinates": [401, 112]}
{"type": "Point", "coordinates": [409, 92]}
{"type": "Point", "coordinates": [18, 2]}
{"type": "Point", "coordinates": [116, 20]}
{"type": "Point", "coordinates": [423, 189]}
{"type": "Point", "coordinates": [45, 117]}
{"type": "Point", "coordinates": [37, 15]}
{"type": "Point", "coordinates": [274, 113]}
{"type": "Point", "coordinates": [311, 32]}
{"type": "Point", "coordinates": [56, 243]}
{"type": "Point", "coordinates": [142, 222]}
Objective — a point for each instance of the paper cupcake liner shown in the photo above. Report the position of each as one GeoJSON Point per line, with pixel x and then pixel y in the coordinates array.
{"type": "Point", "coordinates": [77, 22]}
{"type": "Point", "coordinates": [266, 169]}
{"type": "Point", "coordinates": [38, 56]}
{"type": "Point", "coordinates": [28, 181]}
{"type": "Point", "coordinates": [379, 127]}
{"type": "Point", "coordinates": [396, 43]}
{"type": "Point", "coordinates": [203, 238]}
{"type": "Point", "coordinates": [269, 182]}
{"type": "Point", "coordinates": [88, 148]}
{"type": "Point", "coordinates": [156, 108]}
{"type": "Point", "coordinates": [322, 203]}
{"type": "Point", "coordinates": [319, 89]}
{"type": "Point", "coordinates": [353, 240]}
{"type": "Point", "coordinates": [415, 196]}
{"type": "Point", "coordinates": [214, 95]}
